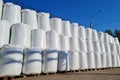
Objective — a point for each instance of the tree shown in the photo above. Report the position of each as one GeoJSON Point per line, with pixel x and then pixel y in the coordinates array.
{"type": "Point", "coordinates": [109, 32]}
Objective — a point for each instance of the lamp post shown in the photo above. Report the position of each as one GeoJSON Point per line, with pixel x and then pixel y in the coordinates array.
{"type": "Point", "coordinates": [93, 17]}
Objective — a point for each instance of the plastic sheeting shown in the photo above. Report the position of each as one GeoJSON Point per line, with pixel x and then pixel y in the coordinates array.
{"type": "Point", "coordinates": [38, 39]}
{"type": "Point", "coordinates": [32, 61]}
{"type": "Point", "coordinates": [82, 33]}
{"type": "Point", "coordinates": [106, 38]}
{"type": "Point", "coordinates": [94, 35]}
{"type": "Point", "coordinates": [114, 60]}
{"type": "Point", "coordinates": [91, 60]}
{"type": "Point", "coordinates": [109, 60]}
{"type": "Point", "coordinates": [74, 29]}
{"type": "Point", "coordinates": [118, 49]}
{"type": "Point", "coordinates": [98, 60]}
{"type": "Point", "coordinates": [29, 17]}
{"type": "Point", "coordinates": [66, 28]}
{"type": "Point", "coordinates": [74, 45]}
{"type": "Point", "coordinates": [11, 60]}
{"type": "Point", "coordinates": [101, 36]}
{"type": "Point", "coordinates": [82, 45]}
{"type": "Point", "coordinates": [20, 35]}
{"type": "Point", "coordinates": [56, 24]}
{"type": "Point", "coordinates": [63, 61]}
{"type": "Point", "coordinates": [88, 33]}
{"type": "Point", "coordinates": [102, 47]}
{"type": "Point", "coordinates": [74, 60]}
{"type": "Point", "coordinates": [50, 61]}
{"type": "Point", "coordinates": [44, 21]}
{"type": "Point", "coordinates": [11, 13]}
{"type": "Point", "coordinates": [89, 45]}
{"type": "Point", "coordinates": [118, 61]}
{"type": "Point", "coordinates": [116, 41]}
{"type": "Point", "coordinates": [113, 49]}
{"type": "Point", "coordinates": [64, 43]}
{"type": "Point", "coordinates": [104, 60]}
{"type": "Point", "coordinates": [83, 61]}
{"type": "Point", "coordinates": [96, 46]}
{"type": "Point", "coordinates": [1, 5]}
{"type": "Point", "coordinates": [52, 40]}
{"type": "Point", "coordinates": [4, 32]}
{"type": "Point", "coordinates": [107, 47]}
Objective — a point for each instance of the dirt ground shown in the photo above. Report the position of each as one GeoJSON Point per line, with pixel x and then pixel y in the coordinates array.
{"type": "Point", "coordinates": [111, 74]}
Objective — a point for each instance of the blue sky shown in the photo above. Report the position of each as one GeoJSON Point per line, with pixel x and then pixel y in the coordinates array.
{"type": "Point", "coordinates": [80, 11]}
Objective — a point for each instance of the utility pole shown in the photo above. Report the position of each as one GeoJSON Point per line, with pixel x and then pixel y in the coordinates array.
{"type": "Point", "coordinates": [93, 17]}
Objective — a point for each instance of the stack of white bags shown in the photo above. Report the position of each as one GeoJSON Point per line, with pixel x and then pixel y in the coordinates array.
{"type": "Point", "coordinates": [32, 43]}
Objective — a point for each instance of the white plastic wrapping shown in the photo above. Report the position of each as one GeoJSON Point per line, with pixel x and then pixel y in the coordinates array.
{"type": "Point", "coordinates": [64, 43]}
{"type": "Point", "coordinates": [52, 40]}
{"type": "Point", "coordinates": [32, 61]}
{"type": "Point", "coordinates": [56, 24]}
{"type": "Point", "coordinates": [11, 60]}
{"type": "Point", "coordinates": [29, 17]}
{"type": "Point", "coordinates": [74, 29]}
{"type": "Point", "coordinates": [102, 47]}
{"type": "Point", "coordinates": [74, 45]}
{"type": "Point", "coordinates": [83, 61]}
{"type": "Point", "coordinates": [107, 48]}
{"type": "Point", "coordinates": [74, 60]}
{"type": "Point", "coordinates": [114, 60]}
{"type": "Point", "coordinates": [110, 39]}
{"type": "Point", "coordinates": [94, 35]}
{"type": "Point", "coordinates": [101, 36]}
{"type": "Point", "coordinates": [118, 49]}
{"type": "Point", "coordinates": [11, 13]}
{"type": "Point", "coordinates": [109, 60]}
{"type": "Point", "coordinates": [104, 60]}
{"type": "Point", "coordinates": [89, 45]}
{"type": "Point", "coordinates": [4, 32]}
{"type": "Point", "coordinates": [91, 60]}
{"type": "Point", "coordinates": [1, 5]}
{"type": "Point", "coordinates": [113, 49]}
{"type": "Point", "coordinates": [82, 45]}
{"type": "Point", "coordinates": [82, 33]}
{"type": "Point", "coordinates": [44, 21]}
{"type": "Point", "coordinates": [63, 61]}
{"type": "Point", "coordinates": [118, 61]}
{"type": "Point", "coordinates": [50, 61]}
{"type": "Point", "coordinates": [98, 60]}
{"type": "Point", "coordinates": [66, 28]}
{"type": "Point", "coordinates": [20, 35]}
{"type": "Point", "coordinates": [96, 46]}
{"type": "Point", "coordinates": [106, 38]}
{"type": "Point", "coordinates": [88, 33]}
{"type": "Point", "coordinates": [38, 39]}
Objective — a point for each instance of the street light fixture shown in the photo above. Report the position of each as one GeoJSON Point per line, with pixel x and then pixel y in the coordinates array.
{"type": "Point", "coordinates": [93, 17]}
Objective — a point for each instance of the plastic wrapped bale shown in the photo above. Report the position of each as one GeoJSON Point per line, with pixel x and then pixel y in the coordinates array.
{"type": "Point", "coordinates": [98, 60]}
{"type": "Point", "coordinates": [96, 46]}
{"type": "Point", "coordinates": [94, 35]}
{"type": "Point", "coordinates": [56, 24]}
{"type": "Point", "coordinates": [101, 36]}
{"type": "Point", "coordinates": [114, 60]}
{"type": "Point", "coordinates": [82, 45]}
{"type": "Point", "coordinates": [113, 49]}
{"type": "Point", "coordinates": [29, 17]}
{"type": "Point", "coordinates": [82, 33]}
{"type": "Point", "coordinates": [44, 21]}
{"type": "Point", "coordinates": [74, 29]}
{"type": "Point", "coordinates": [50, 61]}
{"type": "Point", "coordinates": [63, 61]}
{"type": "Point", "coordinates": [116, 41]}
{"type": "Point", "coordinates": [91, 60]}
{"type": "Point", "coordinates": [20, 35]}
{"type": "Point", "coordinates": [32, 61]}
{"type": "Point", "coordinates": [66, 28]}
{"type": "Point", "coordinates": [11, 60]}
{"type": "Point", "coordinates": [106, 38]}
{"type": "Point", "coordinates": [4, 32]}
{"type": "Point", "coordinates": [83, 61]}
{"type": "Point", "coordinates": [74, 58]}
{"type": "Point", "coordinates": [89, 45]}
{"type": "Point", "coordinates": [118, 61]}
{"type": "Point", "coordinates": [1, 5]}
{"type": "Point", "coordinates": [107, 48]}
{"type": "Point", "coordinates": [109, 60]}
{"type": "Point", "coordinates": [52, 40]}
{"type": "Point", "coordinates": [11, 13]}
{"type": "Point", "coordinates": [104, 60]}
{"type": "Point", "coordinates": [102, 47]}
{"type": "Point", "coordinates": [38, 39]}
{"type": "Point", "coordinates": [88, 33]}
{"type": "Point", "coordinates": [74, 45]}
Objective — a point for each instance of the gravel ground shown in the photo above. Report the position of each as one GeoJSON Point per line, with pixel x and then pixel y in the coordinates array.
{"type": "Point", "coordinates": [111, 74]}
